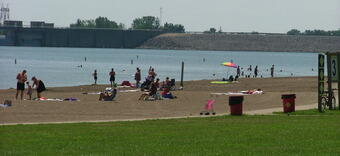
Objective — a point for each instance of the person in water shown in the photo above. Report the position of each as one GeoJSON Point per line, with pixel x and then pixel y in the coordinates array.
{"type": "Point", "coordinates": [112, 77]}
{"type": "Point", "coordinates": [40, 86]}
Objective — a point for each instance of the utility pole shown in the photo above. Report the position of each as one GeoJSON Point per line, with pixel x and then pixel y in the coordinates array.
{"type": "Point", "coordinates": [160, 15]}
{"type": "Point", "coordinates": [4, 13]}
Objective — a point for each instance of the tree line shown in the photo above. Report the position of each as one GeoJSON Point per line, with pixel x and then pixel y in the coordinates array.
{"type": "Point", "coordinates": [315, 32]}
{"type": "Point", "coordinates": [143, 23]}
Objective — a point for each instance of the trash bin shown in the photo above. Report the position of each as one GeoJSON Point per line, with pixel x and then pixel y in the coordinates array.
{"type": "Point", "coordinates": [235, 103]}
{"type": "Point", "coordinates": [288, 101]}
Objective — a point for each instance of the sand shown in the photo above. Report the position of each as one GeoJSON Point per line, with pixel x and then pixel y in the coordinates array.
{"type": "Point", "coordinates": [126, 106]}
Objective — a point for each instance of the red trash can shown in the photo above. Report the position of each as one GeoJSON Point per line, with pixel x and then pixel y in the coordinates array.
{"type": "Point", "coordinates": [288, 101]}
{"type": "Point", "coordinates": [235, 103]}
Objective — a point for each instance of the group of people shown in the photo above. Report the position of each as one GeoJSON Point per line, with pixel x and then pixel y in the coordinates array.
{"type": "Point", "coordinates": [112, 75]}
{"type": "Point", "coordinates": [151, 85]}
{"type": "Point", "coordinates": [22, 80]}
{"type": "Point", "coordinates": [240, 72]}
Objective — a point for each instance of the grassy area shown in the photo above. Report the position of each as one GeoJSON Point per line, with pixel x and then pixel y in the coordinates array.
{"type": "Point", "coordinates": [313, 112]}
{"type": "Point", "coordinates": [226, 135]}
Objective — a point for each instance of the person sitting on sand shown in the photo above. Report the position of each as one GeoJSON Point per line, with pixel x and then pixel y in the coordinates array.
{"type": "Point", "coordinates": [167, 94]}
{"type": "Point", "coordinates": [157, 83]}
{"type": "Point", "coordinates": [22, 78]}
{"type": "Point", "coordinates": [108, 95]}
{"type": "Point", "coordinates": [231, 78]}
{"type": "Point", "coordinates": [147, 83]}
{"type": "Point", "coordinates": [40, 86]}
{"type": "Point", "coordinates": [153, 89]}
{"type": "Point", "coordinates": [166, 83]}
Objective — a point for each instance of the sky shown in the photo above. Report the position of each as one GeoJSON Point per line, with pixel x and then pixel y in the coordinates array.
{"type": "Point", "coordinates": [276, 16]}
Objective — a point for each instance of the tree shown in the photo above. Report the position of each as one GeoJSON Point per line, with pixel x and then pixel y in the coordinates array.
{"type": "Point", "coordinates": [294, 32]}
{"type": "Point", "coordinates": [84, 24]}
{"type": "Point", "coordinates": [99, 22]}
{"type": "Point", "coordinates": [169, 27]}
{"type": "Point", "coordinates": [103, 22]}
{"type": "Point", "coordinates": [211, 30]}
{"type": "Point", "coordinates": [146, 22]}
{"type": "Point", "coordinates": [121, 26]}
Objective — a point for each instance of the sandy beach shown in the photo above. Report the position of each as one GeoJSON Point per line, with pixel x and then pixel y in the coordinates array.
{"type": "Point", "coordinates": [190, 101]}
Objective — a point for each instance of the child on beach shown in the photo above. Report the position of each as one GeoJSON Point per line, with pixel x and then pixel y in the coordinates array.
{"type": "Point", "coordinates": [95, 76]}
{"type": "Point", "coordinates": [29, 90]}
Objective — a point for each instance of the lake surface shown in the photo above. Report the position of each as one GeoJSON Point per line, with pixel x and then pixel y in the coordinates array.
{"type": "Point", "coordinates": [59, 66]}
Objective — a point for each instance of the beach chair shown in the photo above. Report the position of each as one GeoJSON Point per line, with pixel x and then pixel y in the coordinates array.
{"type": "Point", "coordinates": [209, 108]}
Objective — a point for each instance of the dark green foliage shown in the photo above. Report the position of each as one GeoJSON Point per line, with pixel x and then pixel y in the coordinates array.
{"type": "Point", "coordinates": [315, 32]}
{"type": "Point", "coordinates": [211, 30]}
{"type": "Point", "coordinates": [146, 22]}
{"type": "Point", "coordinates": [294, 32]}
{"type": "Point", "coordinates": [169, 27]}
{"type": "Point", "coordinates": [100, 22]}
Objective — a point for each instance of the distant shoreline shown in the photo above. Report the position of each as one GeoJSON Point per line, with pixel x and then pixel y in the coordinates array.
{"type": "Point", "coordinates": [243, 42]}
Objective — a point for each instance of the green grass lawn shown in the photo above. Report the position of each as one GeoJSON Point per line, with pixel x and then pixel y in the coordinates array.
{"type": "Point", "coordinates": [224, 135]}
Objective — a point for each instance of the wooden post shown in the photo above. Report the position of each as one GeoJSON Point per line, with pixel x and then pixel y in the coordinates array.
{"type": "Point", "coordinates": [182, 74]}
{"type": "Point", "coordinates": [321, 76]}
{"type": "Point", "coordinates": [338, 80]}
{"type": "Point", "coordinates": [329, 82]}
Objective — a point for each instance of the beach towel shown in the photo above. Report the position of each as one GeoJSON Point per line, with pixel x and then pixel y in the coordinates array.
{"type": "Point", "coordinates": [5, 105]}
{"type": "Point", "coordinates": [223, 82]}
{"type": "Point", "coordinates": [248, 92]}
{"type": "Point", "coordinates": [71, 99]}
{"type": "Point", "coordinates": [229, 93]}
{"type": "Point", "coordinates": [54, 99]}
{"type": "Point", "coordinates": [92, 93]}
{"type": "Point", "coordinates": [220, 82]}
{"type": "Point", "coordinates": [126, 83]}
{"type": "Point", "coordinates": [252, 92]}
{"type": "Point", "coordinates": [125, 91]}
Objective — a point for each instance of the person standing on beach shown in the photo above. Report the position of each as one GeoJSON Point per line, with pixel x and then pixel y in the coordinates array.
{"type": "Point", "coordinates": [22, 78]}
{"type": "Point", "coordinates": [94, 74]}
{"type": "Point", "coordinates": [40, 86]}
{"type": "Point", "coordinates": [29, 90]}
{"type": "Point", "coordinates": [256, 71]}
{"type": "Point", "coordinates": [152, 73]}
{"type": "Point", "coordinates": [272, 71]}
{"type": "Point", "coordinates": [138, 77]}
{"type": "Point", "coordinates": [238, 72]}
{"type": "Point", "coordinates": [112, 76]}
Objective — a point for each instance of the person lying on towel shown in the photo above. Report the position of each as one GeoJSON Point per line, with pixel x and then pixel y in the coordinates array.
{"type": "Point", "coordinates": [108, 95]}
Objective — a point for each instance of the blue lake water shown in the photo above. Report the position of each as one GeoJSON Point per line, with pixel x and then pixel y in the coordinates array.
{"type": "Point", "coordinates": [58, 66]}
